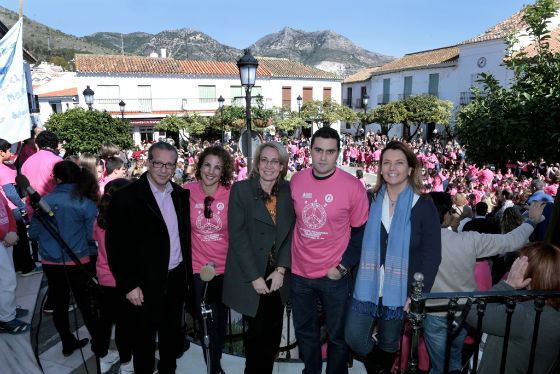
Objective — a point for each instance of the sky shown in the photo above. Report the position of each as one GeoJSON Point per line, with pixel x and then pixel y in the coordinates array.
{"type": "Point", "coordinates": [391, 27]}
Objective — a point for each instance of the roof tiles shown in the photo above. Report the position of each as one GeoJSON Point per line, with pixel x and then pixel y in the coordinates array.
{"type": "Point", "coordinates": [510, 24]}
{"type": "Point", "coordinates": [447, 55]}
{"type": "Point", "coordinates": [362, 75]}
{"type": "Point", "coordinates": [272, 67]}
{"type": "Point", "coordinates": [66, 92]}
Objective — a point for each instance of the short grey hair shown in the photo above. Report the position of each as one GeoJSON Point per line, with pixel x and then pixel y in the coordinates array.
{"type": "Point", "coordinates": [164, 147]}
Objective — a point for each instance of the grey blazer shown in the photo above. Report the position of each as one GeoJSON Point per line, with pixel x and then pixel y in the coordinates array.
{"type": "Point", "coordinates": [251, 236]}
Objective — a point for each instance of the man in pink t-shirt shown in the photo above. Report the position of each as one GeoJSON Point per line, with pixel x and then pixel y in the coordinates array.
{"type": "Point", "coordinates": [330, 206]}
{"type": "Point", "coordinates": [38, 168]}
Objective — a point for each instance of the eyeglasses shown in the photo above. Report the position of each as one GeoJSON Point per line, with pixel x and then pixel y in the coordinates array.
{"type": "Point", "coordinates": [168, 166]}
{"type": "Point", "coordinates": [266, 161]}
{"type": "Point", "coordinates": [208, 207]}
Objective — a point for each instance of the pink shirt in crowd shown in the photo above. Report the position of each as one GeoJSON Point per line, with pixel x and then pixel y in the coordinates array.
{"type": "Point", "coordinates": [7, 220]}
{"type": "Point", "coordinates": [104, 274]}
{"type": "Point", "coordinates": [167, 209]}
{"type": "Point", "coordinates": [325, 210]}
{"type": "Point", "coordinates": [7, 176]}
{"type": "Point", "coordinates": [209, 236]}
{"type": "Point", "coordinates": [38, 169]}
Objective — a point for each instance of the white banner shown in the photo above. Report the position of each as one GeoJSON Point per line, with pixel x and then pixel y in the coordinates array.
{"type": "Point", "coordinates": [15, 121]}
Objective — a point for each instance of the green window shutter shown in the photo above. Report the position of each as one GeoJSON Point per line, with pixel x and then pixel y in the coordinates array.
{"type": "Point", "coordinates": [407, 86]}
{"type": "Point", "coordinates": [207, 94]}
{"type": "Point", "coordinates": [236, 93]}
{"type": "Point", "coordinates": [386, 90]}
{"type": "Point", "coordinates": [434, 84]}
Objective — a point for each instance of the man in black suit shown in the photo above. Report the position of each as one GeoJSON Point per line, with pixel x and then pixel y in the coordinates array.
{"type": "Point", "coordinates": [480, 223]}
{"type": "Point", "coordinates": [148, 247]}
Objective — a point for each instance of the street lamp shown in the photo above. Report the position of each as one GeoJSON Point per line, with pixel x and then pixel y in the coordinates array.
{"type": "Point", "coordinates": [221, 105]}
{"type": "Point", "coordinates": [88, 96]}
{"type": "Point", "coordinates": [122, 104]}
{"type": "Point", "coordinates": [299, 101]}
{"type": "Point", "coordinates": [248, 74]}
{"type": "Point", "coordinates": [365, 99]}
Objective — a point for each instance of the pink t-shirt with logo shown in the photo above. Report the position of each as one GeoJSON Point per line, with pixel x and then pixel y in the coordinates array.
{"type": "Point", "coordinates": [325, 210]}
{"type": "Point", "coordinates": [8, 175]}
{"type": "Point", "coordinates": [209, 237]}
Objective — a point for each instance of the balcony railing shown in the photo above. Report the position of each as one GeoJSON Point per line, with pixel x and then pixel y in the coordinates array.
{"type": "Point", "coordinates": [383, 99]}
{"type": "Point", "coordinates": [465, 98]}
{"type": "Point", "coordinates": [347, 102]}
{"type": "Point", "coordinates": [149, 105]}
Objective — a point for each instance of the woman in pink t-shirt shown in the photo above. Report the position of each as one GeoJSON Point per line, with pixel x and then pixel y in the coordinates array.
{"type": "Point", "coordinates": [209, 198]}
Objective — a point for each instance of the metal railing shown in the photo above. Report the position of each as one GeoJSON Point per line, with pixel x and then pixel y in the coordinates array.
{"type": "Point", "coordinates": [347, 102]}
{"type": "Point", "coordinates": [418, 311]}
{"type": "Point", "coordinates": [465, 98]}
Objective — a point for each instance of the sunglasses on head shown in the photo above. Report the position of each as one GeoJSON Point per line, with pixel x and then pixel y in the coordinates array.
{"type": "Point", "coordinates": [208, 207]}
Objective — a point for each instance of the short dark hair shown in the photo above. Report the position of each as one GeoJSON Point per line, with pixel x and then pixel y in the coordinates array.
{"type": "Point", "coordinates": [164, 147]}
{"type": "Point", "coordinates": [108, 149]}
{"type": "Point", "coordinates": [443, 203]}
{"type": "Point", "coordinates": [481, 208]}
{"type": "Point", "coordinates": [4, 145]}
{"type": "Point", "coordinates": [508, 194]}
{"type": "Point", "coordinates": [47, 139]}
{"type": "Point", "coordinates": [112, 164]}
{"type": "Point", "coordinates": [327, 133]}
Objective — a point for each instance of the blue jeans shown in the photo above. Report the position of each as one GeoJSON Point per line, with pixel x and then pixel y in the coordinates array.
{"type": "Point", "coordinates": [305, 294]}
{"type": "Point", "coordinates": [435, 336]}
{"type": "Point", "coordinates": [359, 327]}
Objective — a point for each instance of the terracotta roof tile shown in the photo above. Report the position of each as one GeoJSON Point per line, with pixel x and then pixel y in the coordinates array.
{"type": "Point", "coordinates": [66, 92]}
{"type": "Point", "coordinates": [362, 75]}
{"type": "Point", "coordinates": [510, 24]}
{"type": "Point", "coordinates": [283, 67]}
{"type": "Point", "coordinates": [553, 44]}
{"type": "Point", "coordinates": [447, 55]}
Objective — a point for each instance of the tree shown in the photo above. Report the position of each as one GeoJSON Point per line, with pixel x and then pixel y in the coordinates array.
{"type": "Point", "coordinates": [85, 130]}
{"type": "Point", "coordinates": [347, 115]}
{"type": "Point", "coordinates": [325, 112]}
{"type": "Point", "coordinates": [60, 61]}
{"type": "Point", "coordinates": [288, 120]}
{"type": "Point", "coordinates": [521, 122]}
{"type": "Point", "coordinates": [426, 109]}
{"type": "Point", "coordinates": [173, 123]}
{"type": "Point", "coordinates": [387, 115]}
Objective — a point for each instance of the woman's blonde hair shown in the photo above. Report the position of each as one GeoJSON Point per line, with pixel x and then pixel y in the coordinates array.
{"type": "Point", "coordinates": [282, 157]}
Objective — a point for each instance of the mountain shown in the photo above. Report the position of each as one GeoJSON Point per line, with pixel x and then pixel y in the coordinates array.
{"type": "Point", "coordinates": [180, 44]}
{"type": "Point", "coordinates": [37, 37]}
{"type": "Point", "coordinates": [326, 50]}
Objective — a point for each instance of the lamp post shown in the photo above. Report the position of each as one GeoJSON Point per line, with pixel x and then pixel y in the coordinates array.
{"type": "Point", "coordinates": [299, 101]}
{"type": "Point", "coordinates": [248, 74]}
{"type": "Point", "coordinates": [221, 105]}
{"type": "Point", "coordinates": [88, 96]}
{"type": "Point", "coordinates": [365, 99]}
{"type": "Point", "coordinates": [122, 104]}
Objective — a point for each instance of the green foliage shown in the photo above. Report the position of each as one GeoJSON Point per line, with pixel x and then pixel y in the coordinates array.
{"type": "Point", "coordinates": [60, 61]}
{"type": "Point", "coordinates": [522, 122]}
{"type": "Point", "coordinates": [85, 130]}
{"type": "Point", "coordinates": [288, 120]}
{"type": "Point", "coordinates": [195, 123]}
{"type": "Point", "coordinates": [325, 112]}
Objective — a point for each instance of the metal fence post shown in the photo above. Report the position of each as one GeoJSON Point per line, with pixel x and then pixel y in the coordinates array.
{"type": "Point", "coordinates": [416, 316]}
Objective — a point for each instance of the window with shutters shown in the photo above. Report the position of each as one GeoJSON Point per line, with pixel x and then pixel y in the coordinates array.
{"type": "Point", "coordinates": [256, 91]}
{"type": "Point", "coordinates": [236, 94]}
{"type": "Point", "coordinates": [145, 98]}
{"type": "Point", "coordinates": [326, 92]}
{"type": "Point", "coordinates": [206, 94]}
{"type": "Point", "coordinates": [287, 96]}
{"type": "Point", "coordinates": [107, 94]}
{"type": "Point", "coordinates": [348, 101]}
{"type": "Point", "coordinates": [307, 94]}
{"type": "Point", "coordinates": [407, 86]}
{"type": "Point", "coordinates": [386, 90]}
{"type": "Point", "coordinates": [434, 84]}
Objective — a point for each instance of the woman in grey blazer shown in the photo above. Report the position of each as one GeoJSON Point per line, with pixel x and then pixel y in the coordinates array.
{"type": "Point", "coordinates": [260, 219]}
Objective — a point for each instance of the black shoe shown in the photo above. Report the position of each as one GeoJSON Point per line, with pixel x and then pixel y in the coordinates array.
{"type": "Point", "coordinates": [70, 347]}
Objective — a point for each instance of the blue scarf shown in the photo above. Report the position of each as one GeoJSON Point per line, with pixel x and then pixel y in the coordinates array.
{"type": "Point", "coordinates": [366, 291]}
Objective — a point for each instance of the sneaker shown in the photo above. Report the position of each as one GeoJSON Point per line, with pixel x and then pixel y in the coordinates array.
{"type": "Point", "coordinates": [48, 310]}
{"type": "Point", "coordinates": [127, 369]}
{"type": "Point", "coordinates": [20, 312]}
{"type": "Point", "coordinates": [14, 326]}
{"type": "Point", "coordinates": [38, 269]}
{"type": "Point", "coordinates": [106, 362]}
{"type": "Point", "coordinates": [72, 345]}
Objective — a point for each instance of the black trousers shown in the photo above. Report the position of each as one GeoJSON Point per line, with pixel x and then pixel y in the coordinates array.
{"type": "Point", "coordinates": [111, 308]}
{"type": "Point", "coordinates": [168, 328]}
{"type": "Point", "coordinates": [22, 253]}
{"type": "Point", "coordinates": [62, 278]}
{"type": "Point", "coordinates": [263, 335]}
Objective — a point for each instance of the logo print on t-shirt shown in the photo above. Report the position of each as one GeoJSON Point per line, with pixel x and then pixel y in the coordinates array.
{"type": "Point", "coordinates": [209, 225]}
{"type": "Point", "coordinates": [329, 198]}
{"type": "Point", "coordinates": [220, 206]}
{"type": "Point", "coordinates": [314, 215]}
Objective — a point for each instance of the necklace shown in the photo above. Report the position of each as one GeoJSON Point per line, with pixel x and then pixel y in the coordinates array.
{"type": "Point", "coordinates": [393, 202]}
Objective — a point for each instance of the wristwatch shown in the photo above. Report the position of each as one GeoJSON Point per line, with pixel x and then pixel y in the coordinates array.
{"type": "Point", "coordinates": [341, 270]}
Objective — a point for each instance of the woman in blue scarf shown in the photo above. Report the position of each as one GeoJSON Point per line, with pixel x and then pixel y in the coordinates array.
{"type": "Point", "coordinates": [402, 236]}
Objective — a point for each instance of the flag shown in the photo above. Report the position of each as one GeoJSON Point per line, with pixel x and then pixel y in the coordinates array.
{"type": "Point", "coordinates": [15, 121]}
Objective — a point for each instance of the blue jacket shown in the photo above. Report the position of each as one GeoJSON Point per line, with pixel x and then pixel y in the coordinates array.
{"type": "Point", "coordinates": [74, 220]}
